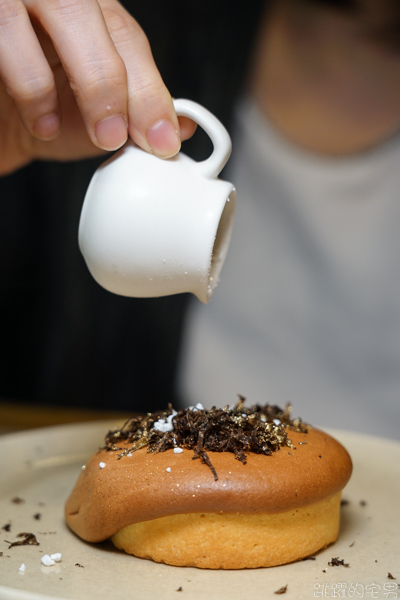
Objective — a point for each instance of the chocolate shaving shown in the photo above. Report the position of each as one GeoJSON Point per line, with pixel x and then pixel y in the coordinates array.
{"type": "Point", "coordinates": [7, 527]}
{"type": "Point", "coordinates": [180, 589]}
{"type": "Point", "coordinates": [29, 540]}
{"type": "Point", "coordinates": [309, 558]}
{"type": "Point", "coordinates": [337, 562]}
{"type": "Point", "coordinates": [37, 516]}
{"type": "Point", "coordinates": [79, 565]}
{"type": "Point", "coordinates": [258, 429]}
{"type": "Point", "coordinates": [17, 500]}
{"type": "Point", "coordinates": [344, 502]}
{"type": "Point", "coordinates": [390, 576]}
{"type": "Point", "coordinates": [282, 590]}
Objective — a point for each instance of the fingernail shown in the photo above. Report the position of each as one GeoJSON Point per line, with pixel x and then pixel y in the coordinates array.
{"type": "Point", "coordinates": [164, 139]}
{"type": "Point", "coordinates": [112, 133]}
{"type": "Point", "coordinates": [47, 127]}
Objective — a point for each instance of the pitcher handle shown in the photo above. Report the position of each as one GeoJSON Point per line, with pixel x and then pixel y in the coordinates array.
{"type": "Point", "coordinates": [213, 165]}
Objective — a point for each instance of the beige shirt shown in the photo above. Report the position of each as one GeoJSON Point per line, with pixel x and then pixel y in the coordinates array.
{"type": "Point", "coordinates": [308, 307]}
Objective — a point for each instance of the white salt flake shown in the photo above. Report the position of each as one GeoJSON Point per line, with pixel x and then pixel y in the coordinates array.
{"type": "Point", "coordinates": [56, 557]}
{"type": "Point", "coordinates": [168, 469]}
{"type": "Point", "coordinates": [22, 568]}
{"type": "Point", "coordinates": [277, 421]}
{"type": "Point", "coordinates": [165, 425]}
{"type": "Point", "coordinates": [47, 561]}
{"type": "Point", "coordinates": [178, 450]}
{"type": "Point", "coordinates": [129, 454]}
{"type": "Point", "coordinates": [83, 467]}
{"type": "Point", "coordinates": [102, 465]}
{"type": "Point", "coordinates": [198, 406]}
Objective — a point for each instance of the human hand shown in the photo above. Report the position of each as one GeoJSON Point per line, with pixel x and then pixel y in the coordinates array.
{"type": "Point", "coordinates": [75, 79]}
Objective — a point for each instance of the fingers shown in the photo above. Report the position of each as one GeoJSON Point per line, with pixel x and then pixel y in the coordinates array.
{"type": "Point", "coordinates": [153, 124]}
{"type": "Point", "coordinates": [26, 73]}
{"type": "Point", "coordinates": [94, 68]}
{"type": "Point", "coordinates": [187, 127]}
{"type": "Point", "coordinates": [109, 65]}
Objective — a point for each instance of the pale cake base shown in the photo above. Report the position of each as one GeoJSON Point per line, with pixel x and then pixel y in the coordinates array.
{"type": "Point", "coordinates": [230, 541]}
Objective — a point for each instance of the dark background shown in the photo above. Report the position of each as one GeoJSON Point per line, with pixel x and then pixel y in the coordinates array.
{"type": "Point", "coordinates": [65, 341]}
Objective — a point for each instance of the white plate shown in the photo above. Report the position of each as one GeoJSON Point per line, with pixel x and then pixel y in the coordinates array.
{"type": "Point", "coordinates": [41, 467]}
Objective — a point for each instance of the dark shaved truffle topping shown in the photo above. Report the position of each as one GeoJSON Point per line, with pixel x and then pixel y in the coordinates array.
{"type": "Point", "coordinates": [258, 429]}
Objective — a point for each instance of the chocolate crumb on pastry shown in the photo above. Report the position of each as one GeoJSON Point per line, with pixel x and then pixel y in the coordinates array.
{"type": "Point", "coordinates": [264, 491]}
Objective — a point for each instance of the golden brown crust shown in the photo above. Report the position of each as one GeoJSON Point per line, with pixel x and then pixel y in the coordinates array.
{"type": "Point", "coordinates": [215, 541]}
{"type": "Point", "coordinates": [139, 488]}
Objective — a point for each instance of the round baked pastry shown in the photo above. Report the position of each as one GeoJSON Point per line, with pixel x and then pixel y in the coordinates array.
{"type": "Point", "coordinates": [265, 490]}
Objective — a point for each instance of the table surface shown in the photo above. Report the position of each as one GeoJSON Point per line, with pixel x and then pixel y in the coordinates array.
{"type": "Point", "coordinates": [18, 416]}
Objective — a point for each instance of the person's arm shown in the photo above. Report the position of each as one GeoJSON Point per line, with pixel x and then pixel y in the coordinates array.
{"type": "Point", "coordinates": [76, 78]}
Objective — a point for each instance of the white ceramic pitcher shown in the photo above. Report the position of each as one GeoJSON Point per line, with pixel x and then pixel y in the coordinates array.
{"type": "Point", "coordinates": [153, 227]}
